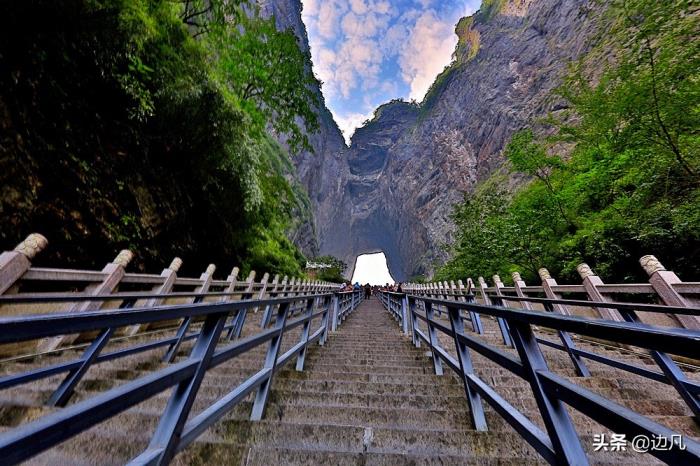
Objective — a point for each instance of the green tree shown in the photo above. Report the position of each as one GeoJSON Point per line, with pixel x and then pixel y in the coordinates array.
{"type": "Point", "coordinates": [334, 273]}
{"type": "Point", "coordinates": [271, 75]}
{"type": "Point", "coordinates": [629, 185]}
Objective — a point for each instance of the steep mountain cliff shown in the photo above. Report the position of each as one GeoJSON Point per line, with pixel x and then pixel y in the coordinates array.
{"type": "Point", "coordinates": [507, 62]}
{"type": "Point", "coordinates": [318, 171]}
{"type": "Point", "coordinates": [393, 188]}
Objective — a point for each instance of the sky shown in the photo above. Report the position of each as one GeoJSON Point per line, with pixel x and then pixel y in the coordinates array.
{"type": "Point", "coordinates": [367, 52]}
{"type": "Point", "coordinates": [372, 269]}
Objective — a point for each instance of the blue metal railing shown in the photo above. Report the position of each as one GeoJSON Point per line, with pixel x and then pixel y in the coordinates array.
{"type": "Point", "coordinates": [560, 444]}
{"type": "Point", "coordinates": [175, 430]}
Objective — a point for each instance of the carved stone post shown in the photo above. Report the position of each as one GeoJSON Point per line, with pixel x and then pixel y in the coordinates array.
{"type": "Point", "coordinates": [14, 264]}
{"type": "Point", "coordinates": [231, 288]}
{"type": "Point", "coordinates": [519, 284]}
{"type": "Point", "coordinates": [482, 289]}
{"type": "Point", "coordinates": [169, 276]}
{"type": "Point", "coordinates": [662, 281]}
{"type": "Point", "coordinates": [547, 283]}
{"type": "Point", "coordinates": [263, 289]}
{"type": "Point", "coordinates": [114, 272]}
{"type": "Point", "coordinates": [498, 284]}
{"type": "Point", "coordinates": [590, 283]}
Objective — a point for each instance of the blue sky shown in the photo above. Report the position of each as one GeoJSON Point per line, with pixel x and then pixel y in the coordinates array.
{"type": "Point", "coordinates": [367, 52]}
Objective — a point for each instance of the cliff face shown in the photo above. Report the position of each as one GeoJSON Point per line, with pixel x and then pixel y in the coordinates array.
{"type": "Point", "coordinates": [393, 189]}
{"type": "Point", "coordinates": [320, 171]}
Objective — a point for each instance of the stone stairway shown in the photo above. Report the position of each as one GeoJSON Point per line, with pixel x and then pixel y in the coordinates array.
{"type": "Point", "coordinates": [367, 397]}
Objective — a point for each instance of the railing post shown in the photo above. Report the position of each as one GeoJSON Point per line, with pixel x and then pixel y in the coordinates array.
{"type": "Point", "coordinates": [167, 435]}
{"type": "Point", "coordinates": [591, 281]}
{"type": "Point", "coordinates": [414, 321]}
{"type": "Point", "coordinates": [14, 264]}
{"type": "Point", "coordinates": [267, 314]}
{"type": "Point", "coordinates": [305, 334]}
{"type": "Point", "coordinates": [63, 393]}
{"type": "Point", "coordinates": [662, 281]}
{"type": "Point", "coordinates": [239, 321]}
{"type": "Point", "coordinates": [562, 434]}
{"type": "Point", "coordinates": [169, 276]}
{"type": "Point", "coordinates": [468, 297]}
{"type": "Point", "coordinates": [325, 320]}
{"type": "Point", "coordinates": [336, 310]}
{"type": "Point", "coordinates": [206, 278]}
{"type": "Point", "coordinates": [519, 284]}
{"type": "Point", "coordinates": [670, 369]}
{"type": "Point", "coordinates": [432, 335]}
{"type": "Point", "coordinates": [476, 408]}
{"type": "Point", "coordinates": [496, 301]}
{"type": "Point", "coordinates": [547, 283]}
{"type": "Point", "coordinates": [270, 363]}
{"type": "Point", "coordinates": [263, 289]}
{"type": "Point", "coordinates": [232, 280]}
{"type": "Point", "coordinates": [114, 272]}
{"type": "Point", "coordinates": [404, 314]}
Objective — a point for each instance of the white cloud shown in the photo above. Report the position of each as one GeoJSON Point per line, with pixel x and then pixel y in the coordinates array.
{"type": "Point", "coordinates": [428, 50]}
{"type": "Point", "coordinates": [348, 123]}
{"type": "Point", "coordinates": [329, 14]}
{"type": "Point", "coordinates": [358, 6]}
{"type": "Point", "coordinates": [354, 44]}
{"type": "Point", "coordinates": [382, 8]}
{"type": "Point", "coordinates": [310, 7]}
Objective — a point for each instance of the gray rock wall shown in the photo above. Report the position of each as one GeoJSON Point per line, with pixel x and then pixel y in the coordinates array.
{"type": "Point", "coordinates": [394, 188]}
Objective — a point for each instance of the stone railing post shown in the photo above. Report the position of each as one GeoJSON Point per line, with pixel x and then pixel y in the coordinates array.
{"type": "Point", "coordinates": [169, 276]}
{"type": "Point", "coordinates": [591, 281]}
{"type": "Point", "coordinates": [250, 284]}
{"type": "Point", "coordinates": [206, 279]}
{"type": "Point", "coordinates": [519, 284]}
{"type": "Point", "coordinates": [114, 272]}
{"type": "Point", "coordinates": [662, 281]}
{"type": "Point", "coordinates": [404, 314]}
{"type": "Point", "coordinates": [14, 264]}
{"type": "Point", "coordinates": [263, 288]}
{"type": "Point", "coordinates": [232, 280]}
{"type": "Point", "coordinates": [482, 289]}
{"type": "Point", "coordinates": [336, 309]}
{"type": "Point", "coordinates": [547, 283]}
{"type": "Point", "coordinates": [498, 284]}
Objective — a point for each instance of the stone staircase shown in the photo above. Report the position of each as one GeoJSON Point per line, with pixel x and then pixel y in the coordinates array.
{"type": "Point", "coordinates": [367, 397]}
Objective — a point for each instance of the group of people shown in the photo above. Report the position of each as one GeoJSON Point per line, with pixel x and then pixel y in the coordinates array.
{"type": "Point", "coordinates": [369, 290]}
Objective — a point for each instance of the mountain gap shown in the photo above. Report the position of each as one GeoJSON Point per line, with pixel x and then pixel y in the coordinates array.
{"type": "Point", "coordinates": [373, 269]}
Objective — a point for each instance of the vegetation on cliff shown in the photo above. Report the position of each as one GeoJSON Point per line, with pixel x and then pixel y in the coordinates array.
{"type": "Point", "coordinates": [630, 182]}
{"type": "Point", "coordinates": [146, 124]}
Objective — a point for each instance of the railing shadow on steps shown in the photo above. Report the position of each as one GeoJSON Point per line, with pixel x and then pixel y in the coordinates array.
{"type": "Point", "coordinates": [560, 444]}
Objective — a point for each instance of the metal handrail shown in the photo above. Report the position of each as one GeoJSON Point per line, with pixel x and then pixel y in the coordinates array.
{"type": "Point", "coordinates": [640, 307]}
{"type": "Point", "coordinates": [560, 443]}
{"type": "Point", "coordinates": [128, 296]}
{"type": "Point", "coordinates": [174, 431]}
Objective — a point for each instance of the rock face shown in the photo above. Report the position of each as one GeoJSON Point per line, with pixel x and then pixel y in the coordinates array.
{"type": "Point", "coordinates": [317, 171]}
{"type": "Point", "coordinates": [393, 189]}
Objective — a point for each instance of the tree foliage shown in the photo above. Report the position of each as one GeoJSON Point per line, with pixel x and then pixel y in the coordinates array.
{"type": "Point", "coordinates": [126, 122]}
{"type": "Point", "coordinates": [332, 274]}
{"type": "Point", "coordinates": [629, 185]}
{"type": "Point", "coordinates": [271, 75]}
